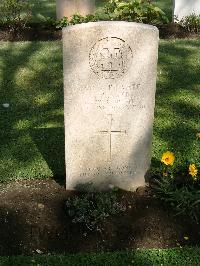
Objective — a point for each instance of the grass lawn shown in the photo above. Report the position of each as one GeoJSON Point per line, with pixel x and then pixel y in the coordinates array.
{"type": "Point", "coordinates": [47, 8]}
{"type": "Point", "coordinates": [156, 257]}
{"type": "Point", "coordinates": [42, 9]}
{"type": "Point", "coordinates": [31, 133]}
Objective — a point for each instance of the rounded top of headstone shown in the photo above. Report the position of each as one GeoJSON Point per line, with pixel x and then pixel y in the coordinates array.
{"type": "Point", "coordinates": [126, 24]}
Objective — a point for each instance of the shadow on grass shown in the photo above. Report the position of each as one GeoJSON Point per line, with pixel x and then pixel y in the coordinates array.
{"type": "Point", "coordinates": [43, 9]}
{"type": "Point", "coordinates": [51, 144]}
{"type": "Point", "coordinates": [32, 83]}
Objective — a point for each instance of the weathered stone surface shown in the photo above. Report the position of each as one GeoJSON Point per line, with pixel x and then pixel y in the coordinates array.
{"type": "Point", "coordinates": [109, 95]}
{"type": "Point", "coordinates": [183, 8]}
{"type": "Point", "coordinates": [66, 8]}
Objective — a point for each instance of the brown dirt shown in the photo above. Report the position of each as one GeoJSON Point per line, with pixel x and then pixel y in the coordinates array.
{"type": "Point", "coordinates": [30, 34]}
{"type": "Point", "coordinates": [33, 220]}
{"type": "Point", "coordinates": [37, 33]}
{"type": "Point", "coordinates": [173, 30]}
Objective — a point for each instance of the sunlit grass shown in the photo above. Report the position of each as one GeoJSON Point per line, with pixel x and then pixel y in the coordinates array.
{"type": "Point", "coordinates": [155, 257]}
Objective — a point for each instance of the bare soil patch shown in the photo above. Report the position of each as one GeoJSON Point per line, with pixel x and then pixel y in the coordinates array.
{"type": "Point", "coordinates": [33, 220]}
{"type": "Point", "coordinates": [30, 34]}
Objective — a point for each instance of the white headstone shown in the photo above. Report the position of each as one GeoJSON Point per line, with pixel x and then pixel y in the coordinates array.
{"type": "Point", "coordinates": [109, 95]}
{"type": "Point", "coordinates": [66, 8]}
{"type": "Point", "coordinates": [183, 8]}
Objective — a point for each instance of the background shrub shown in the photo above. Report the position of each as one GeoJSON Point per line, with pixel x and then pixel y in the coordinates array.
{"type": "Point", "coordinates": [191, 23]}
{"type": "Point", "coordinates": [135, 10]}
{"type": "Point", "coordinates": [122, 10]}
{"type": "Point", "coordinates": [15, 13]}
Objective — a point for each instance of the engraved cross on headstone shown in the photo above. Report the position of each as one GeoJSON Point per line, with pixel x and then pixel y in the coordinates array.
{"type": "Point", "coordinates": [110, 131]}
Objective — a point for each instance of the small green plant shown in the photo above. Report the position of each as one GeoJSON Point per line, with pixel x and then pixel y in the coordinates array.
{"type": "Point", "coordinates": [184, 200]}
{"type": "Point", "coordinates": [49, 22]}
{"type": "Point", "coordinates": [191, 23]}
{"type": "Point", "coordinates": [91, 208]}
{"type": "Point", "coordinates": [64, 22]}
{"type": "Point", "coordinates": [77, 19]}
{"type": "Point", "coordinates": [15, 13]}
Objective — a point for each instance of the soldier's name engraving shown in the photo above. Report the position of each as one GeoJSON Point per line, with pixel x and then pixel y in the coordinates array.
{"type": "Point", "coordinates": [115, 97]}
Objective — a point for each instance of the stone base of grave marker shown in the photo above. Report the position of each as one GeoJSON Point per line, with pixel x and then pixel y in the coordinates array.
{"type": "Point", "coordinates": [66, 8]}
{"type": "Point", "coordinates": [109, 96]}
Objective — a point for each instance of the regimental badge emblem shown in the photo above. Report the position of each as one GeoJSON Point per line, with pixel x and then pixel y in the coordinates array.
{"type": "Point", "coordinates": [110, 58]}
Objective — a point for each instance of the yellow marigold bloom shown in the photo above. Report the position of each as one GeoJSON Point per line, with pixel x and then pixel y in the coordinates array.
{"type": "Point", "coordinates": [198, 135]}
{"type": "Point", "coordinates": [193, 170]}
{"type": "Point", "coordinates": [168, 158]}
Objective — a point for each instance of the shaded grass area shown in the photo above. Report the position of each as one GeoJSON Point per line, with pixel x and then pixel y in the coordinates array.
{"type": "Point", "coordinates": [47, 8]}
{"type": "Point", "coordinates": [31, 132]}
{"type": "Point", "coordinates": [42, 9]}
{"type": "Point", "coordinates": [184, 256]}
{"type": "Point", "coordinates": [32, 83]}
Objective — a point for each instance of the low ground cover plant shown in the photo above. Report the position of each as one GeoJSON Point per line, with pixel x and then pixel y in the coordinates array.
{"type": "Point", "coordinates": [93, 207]}
{"type": "Point", "coordinates": [184, 200]}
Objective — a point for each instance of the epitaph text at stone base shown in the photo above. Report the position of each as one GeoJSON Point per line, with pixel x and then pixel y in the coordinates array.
{"type": "Point", "coordinates": [109, 98]}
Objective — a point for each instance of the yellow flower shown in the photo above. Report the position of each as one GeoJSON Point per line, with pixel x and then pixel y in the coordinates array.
{"type": "Point", "coordinates": [193, 170]}
{"type": "Point", "coordinates": [198, 135]}
{"type": "Point", "coordinates": [168, 158]}
{"type": "Point", "coordinates": [186, 237]}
